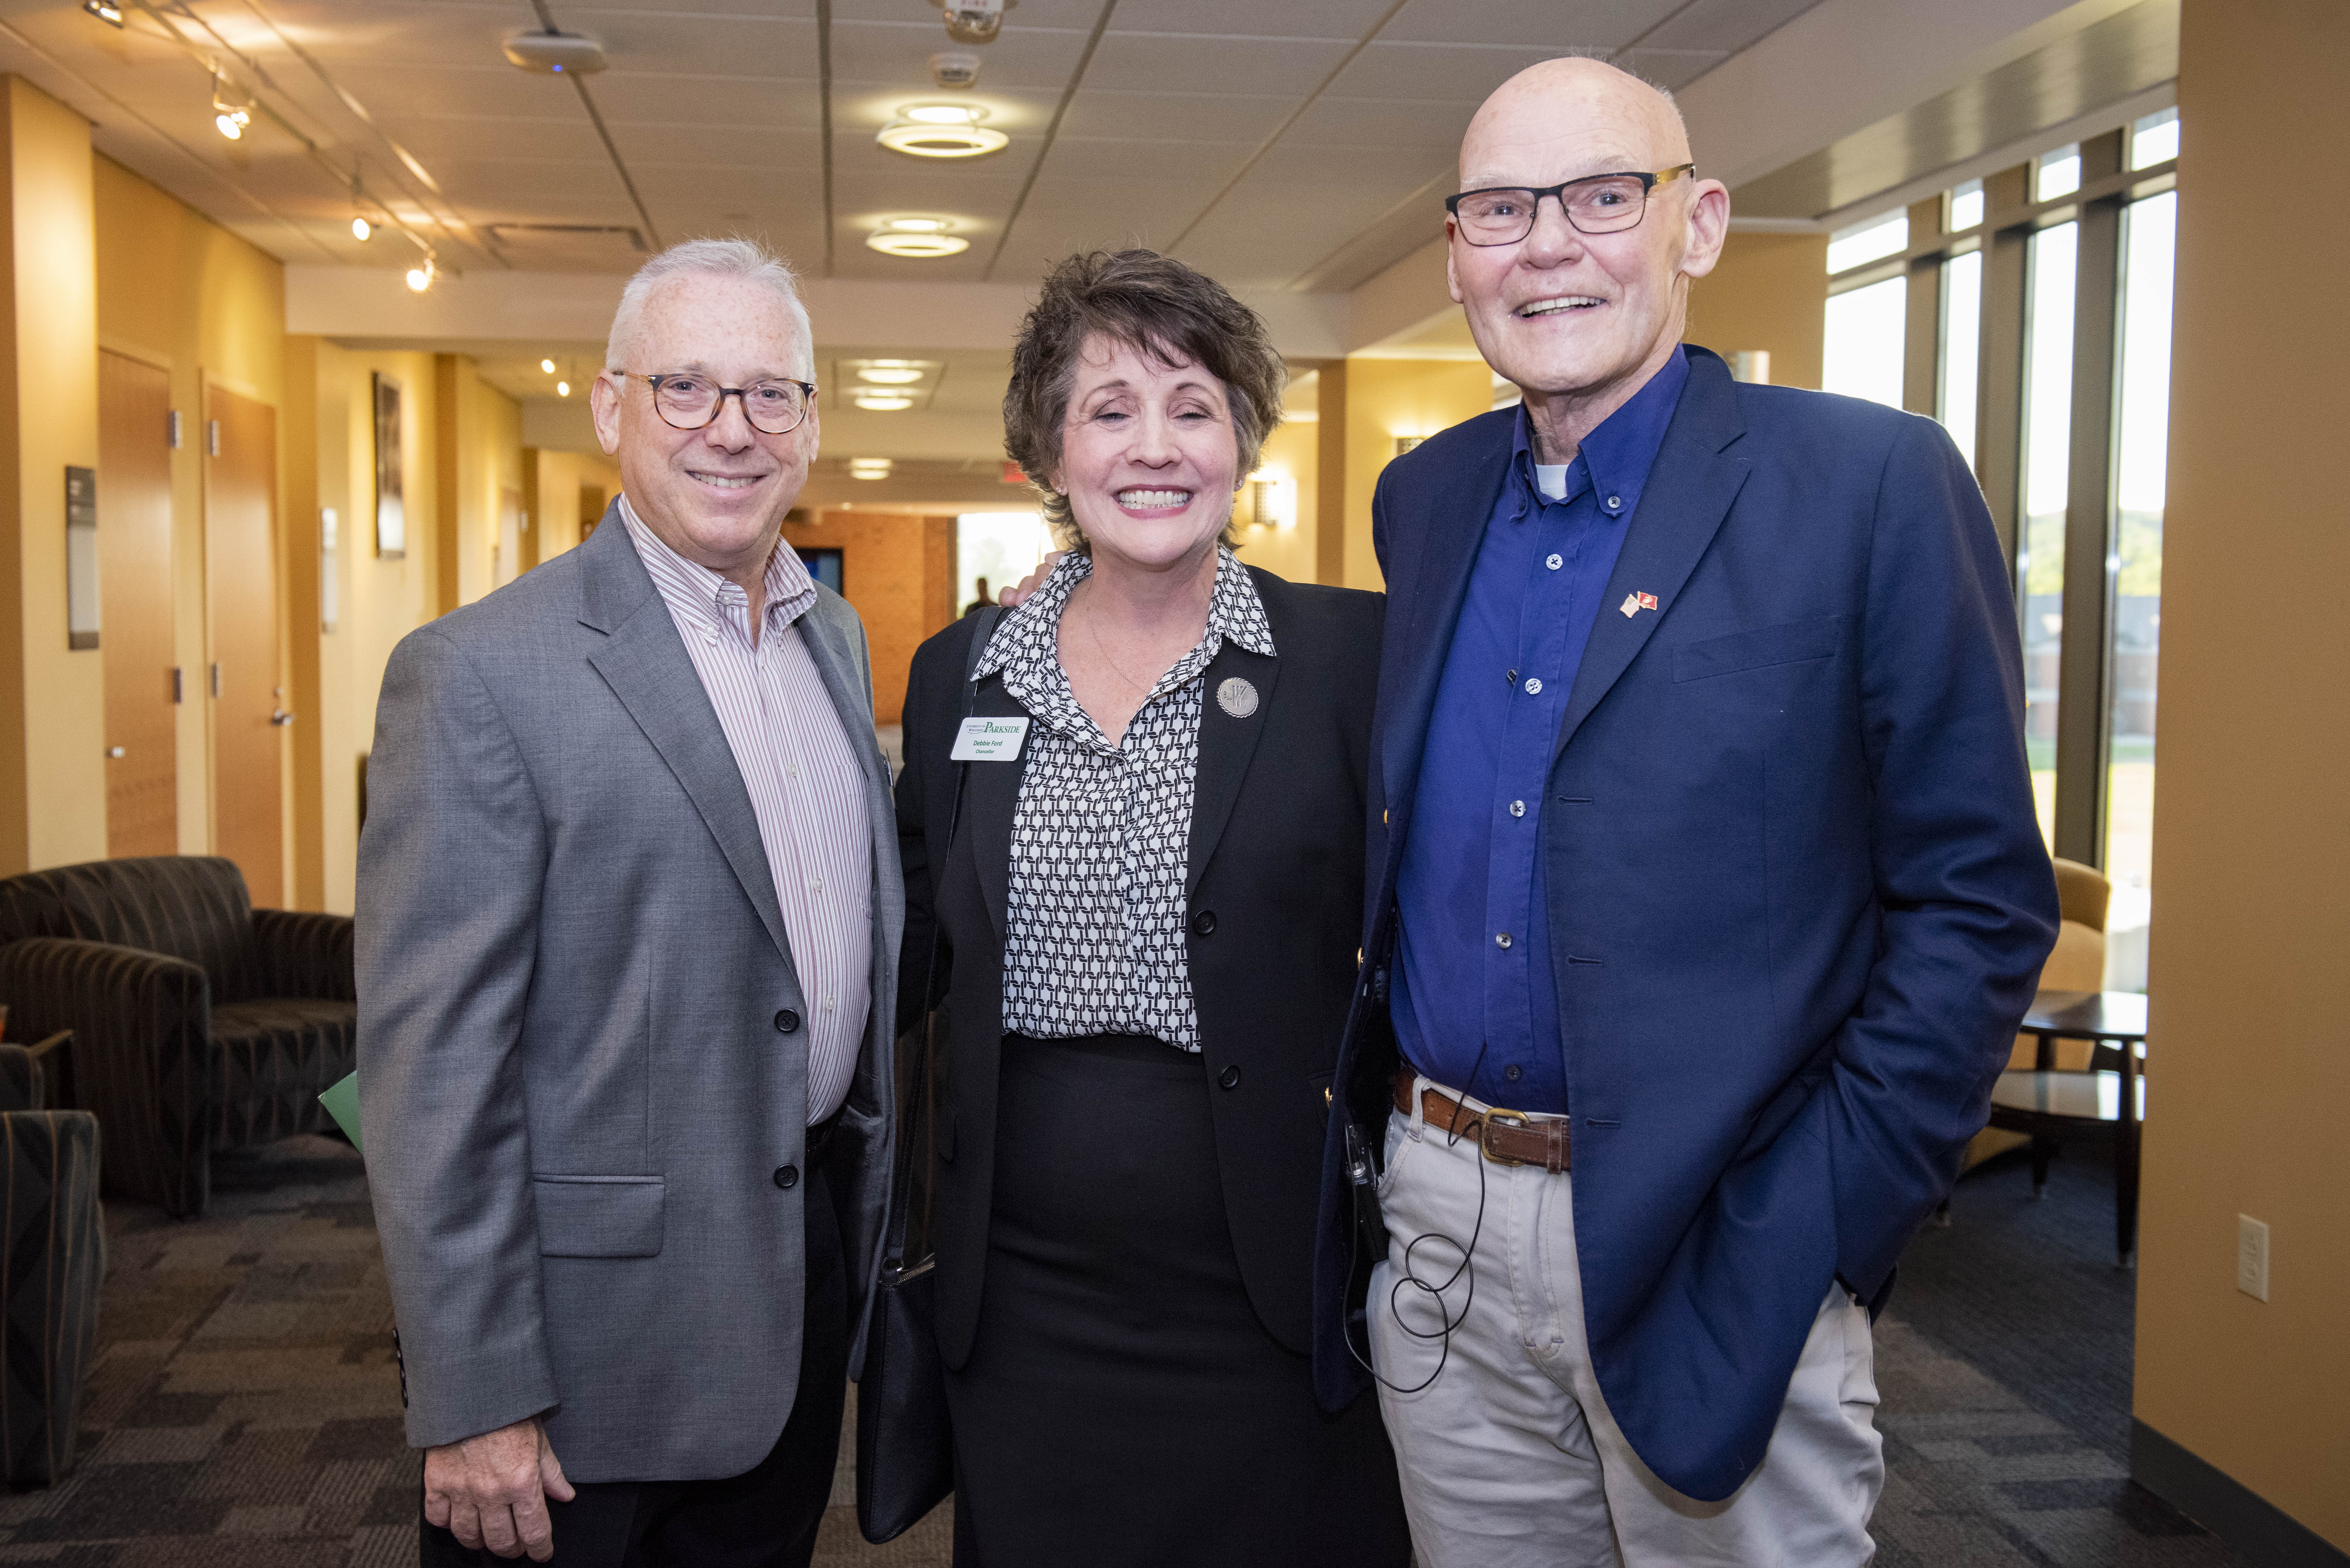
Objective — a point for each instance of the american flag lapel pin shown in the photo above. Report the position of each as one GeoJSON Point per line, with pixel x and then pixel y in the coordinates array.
{"type": "Point", "coordinates": [1635, 603]}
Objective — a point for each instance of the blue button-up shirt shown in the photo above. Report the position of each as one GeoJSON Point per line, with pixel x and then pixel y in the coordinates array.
{"type": "Point", "coordinates": [1474, 1001]}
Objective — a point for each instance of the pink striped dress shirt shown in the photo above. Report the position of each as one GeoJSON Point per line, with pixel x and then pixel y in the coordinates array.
{"type": "Point", "coordinates": [807, 787]}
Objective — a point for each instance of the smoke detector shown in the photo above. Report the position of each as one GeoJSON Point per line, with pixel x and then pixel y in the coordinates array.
{"type": "Point", "coordinates": [556, 54]}
{"type": "Point", "coordinates": [955, 69]}
{"type": "Point", "coordinates": [974, 21]}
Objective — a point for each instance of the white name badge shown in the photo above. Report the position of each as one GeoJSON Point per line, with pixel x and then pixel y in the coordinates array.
{"type": "Point", "coordinates": [989, 740]}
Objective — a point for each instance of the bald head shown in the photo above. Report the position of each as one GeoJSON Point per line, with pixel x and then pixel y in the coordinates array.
{"type": "Point", "coordinates": [1587, 105]}
{"type": "Point", "coordinates": [1581, 320]}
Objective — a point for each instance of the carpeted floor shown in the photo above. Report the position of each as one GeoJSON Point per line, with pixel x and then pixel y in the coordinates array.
{"type": "Point", "coordinates": [245, 1411]}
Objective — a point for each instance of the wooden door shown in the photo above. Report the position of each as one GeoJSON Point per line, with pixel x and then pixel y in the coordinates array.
{"type": "Point", "coordinates": [249, 712]}
{"type": "Point", "coordinates": [134, 585]}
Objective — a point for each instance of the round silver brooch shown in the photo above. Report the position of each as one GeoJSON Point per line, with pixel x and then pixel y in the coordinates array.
{"type": "Point", "coordinates": [1236, 697]}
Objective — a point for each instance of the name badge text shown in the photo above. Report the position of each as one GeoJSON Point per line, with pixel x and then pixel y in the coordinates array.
{"type": "Point", "coordinates": [989, 740]}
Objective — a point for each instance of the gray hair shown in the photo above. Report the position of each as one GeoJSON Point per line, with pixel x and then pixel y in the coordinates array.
{"type": "Point", "coordinates": [744, 259]}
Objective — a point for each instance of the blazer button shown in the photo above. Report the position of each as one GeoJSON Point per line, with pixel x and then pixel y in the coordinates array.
{"type": "Point", "coordinates": [787, 1177]}
{"type": "Point", "coordinates": [786, 1021]}
{"type": "Point", "coordinates": [1203, 924]}
{"type": "Point", "coordinates": [1230, 1077]}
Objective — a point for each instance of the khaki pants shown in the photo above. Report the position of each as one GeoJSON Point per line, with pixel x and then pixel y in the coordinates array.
{"type": "Point", "coordinates": [1509, 1457]}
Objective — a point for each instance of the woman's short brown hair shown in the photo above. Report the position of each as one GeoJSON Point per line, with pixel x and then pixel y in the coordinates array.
{"type": "Point", "coordinates": [1154, 305]}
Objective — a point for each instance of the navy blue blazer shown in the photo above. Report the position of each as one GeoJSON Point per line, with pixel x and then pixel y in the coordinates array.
{"type": "Point", "coordinates": [1798, 896]}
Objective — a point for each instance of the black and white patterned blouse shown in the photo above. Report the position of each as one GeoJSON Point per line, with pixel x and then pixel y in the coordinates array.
{"type": "Point", "coordinates": [1101, 839]}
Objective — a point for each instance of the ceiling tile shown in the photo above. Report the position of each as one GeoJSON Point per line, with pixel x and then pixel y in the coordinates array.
{"type": "Point", "coordinates": [1344, 20]}
{"type": "Point", "coordinates": [1727, 26]}
{"type": "Point", "coordinates": [1177, 115]}
{"type": "Point", "coordinates": [1543, 25]}
{"type": "Point", "coordinates": [1428, 72]}
{"type": "Point", "coordinates": [899, 58]}
{"type": "Point", "coordinates": [1272, 67]}
{"type": "Point", "coordinates": [1334, 121]}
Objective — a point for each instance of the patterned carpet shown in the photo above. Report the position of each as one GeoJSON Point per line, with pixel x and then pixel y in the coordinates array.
{"type": "Point", "coordinates": [245, 1411]}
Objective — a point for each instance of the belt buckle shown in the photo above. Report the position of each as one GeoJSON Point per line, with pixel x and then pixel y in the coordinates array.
{"type": "Point", "coordinates": [1485, 1127]}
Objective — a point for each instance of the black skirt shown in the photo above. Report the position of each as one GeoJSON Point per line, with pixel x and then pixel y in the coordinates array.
{"type": "Point", "coordinates": [1122, 1404]}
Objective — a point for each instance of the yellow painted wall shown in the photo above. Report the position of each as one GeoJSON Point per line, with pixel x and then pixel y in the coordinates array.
{"type": "Point", "coordinates": [1289, 456]}
{"type": "Point", "coordinates": [52, 700]}
{"type": "Point", "coordinates": [2248, 1072]}
{"type": "Point", "coordinates": [1768, 292]}
{"type": "Point", "coordinates": [178, 291]}
{"type": "Point", "coordinates": [561, 476]}
{"type": "Point", "coordinates": [1389, 398]}
{"type": "Point", "coordinates": [382, 598]}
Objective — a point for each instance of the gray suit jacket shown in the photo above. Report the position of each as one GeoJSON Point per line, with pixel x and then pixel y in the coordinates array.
{"type": "Point", "coordinates": [575, 1097]}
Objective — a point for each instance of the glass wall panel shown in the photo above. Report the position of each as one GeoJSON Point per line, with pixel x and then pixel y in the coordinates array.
{"type": "Point", "coordinates": [2142, 451]}
{"type": "Point", "coordinates": [2047, 471]}
{"type": "Point", "coordinates": [1866, 332]}
{"type": "Point", "coordinates": [1954, 403]}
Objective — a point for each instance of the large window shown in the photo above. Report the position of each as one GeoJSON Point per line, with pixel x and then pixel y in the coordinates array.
{"type": "Point", "coordinates": [2048, 341]}
{"type": "Point", "coordinates": [2047, 473]}
{"type": "Point", "coordinates": [1865, 352]}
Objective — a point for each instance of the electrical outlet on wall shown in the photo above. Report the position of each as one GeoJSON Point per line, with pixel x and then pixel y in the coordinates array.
{"type": "Point", "coordinates": [2251, 1257]}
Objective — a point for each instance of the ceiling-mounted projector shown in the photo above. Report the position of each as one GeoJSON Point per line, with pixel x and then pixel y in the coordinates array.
{"type": "Point", "coordinates": [556, 54]}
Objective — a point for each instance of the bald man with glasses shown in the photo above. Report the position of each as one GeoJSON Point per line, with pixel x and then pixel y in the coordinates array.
{"type": "Point", "coordinates": [628, 915]}
{"type": "Point", "coordinates": [1705, 894]}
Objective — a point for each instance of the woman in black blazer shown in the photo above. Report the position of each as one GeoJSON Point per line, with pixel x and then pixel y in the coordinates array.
{"type": "Point", "coordinates": [1149, 916]}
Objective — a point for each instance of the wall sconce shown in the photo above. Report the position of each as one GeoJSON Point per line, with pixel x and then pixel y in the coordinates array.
{"type": "Point", "coordinates": [1271, 500]}
{"type": "Point", "coordinates": [1405, 444]}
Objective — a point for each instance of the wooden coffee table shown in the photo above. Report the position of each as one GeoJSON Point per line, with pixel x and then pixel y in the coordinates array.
{"type": "Point", "coordinates": [2103, 1105]}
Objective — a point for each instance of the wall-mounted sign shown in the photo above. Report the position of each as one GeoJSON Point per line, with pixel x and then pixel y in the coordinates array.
{"type": "Point", "coordinates": [81, 557]}
{"type": "Point", "coordinates": [390, 511]}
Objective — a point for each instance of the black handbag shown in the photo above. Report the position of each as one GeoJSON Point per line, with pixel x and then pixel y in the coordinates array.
{"type": "Point", "coordinates": [905, 1443]}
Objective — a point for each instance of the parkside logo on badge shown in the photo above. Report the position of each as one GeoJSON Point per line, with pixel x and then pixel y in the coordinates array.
{"type": "Point", "coordinates": [989, 740]}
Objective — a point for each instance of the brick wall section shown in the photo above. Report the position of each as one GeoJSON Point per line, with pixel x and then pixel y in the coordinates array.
{"type": "Point", "coordinates": [899, 573]}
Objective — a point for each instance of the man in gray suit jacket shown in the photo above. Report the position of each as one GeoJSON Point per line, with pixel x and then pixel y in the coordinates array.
{"type": "Point", "coordinates": [628, 915]}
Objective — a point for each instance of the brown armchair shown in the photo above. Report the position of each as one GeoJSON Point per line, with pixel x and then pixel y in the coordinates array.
{"type": "Point", "coordinates": [2078, 963]}
{"type": "Point", "coordinates": [200, 1023]}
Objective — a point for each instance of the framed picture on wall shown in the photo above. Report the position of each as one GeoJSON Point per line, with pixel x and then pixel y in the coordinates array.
{"type": "Point", "coordinates": [390, 508]}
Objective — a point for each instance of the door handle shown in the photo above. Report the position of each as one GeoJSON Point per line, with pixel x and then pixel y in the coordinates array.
{"type": "Point", "coordinates": [115, 752]}
{"type": "Point", "coordinates": [281, 717]}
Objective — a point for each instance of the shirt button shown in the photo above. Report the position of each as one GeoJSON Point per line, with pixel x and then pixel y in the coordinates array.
{"type": "Point", "coordinates": [1614, 502]}
{"type": "Point", "coordinates": [1510, 677]}
{"type": "Point", "coordinates": [787, 1177]}
{"type": "Point", "coordinates": [1503, 941]}
{"type": "Point", "coordinates": [786, 1021]}
{"type": "Point", "coordinates": [1512, 1073]}
{"type": "Point", "coordinates": [1555, 561]}
{"type": "Point", "coordinates": [1534, 685]}
{"type": "Point", "coordinates": [1517, 808]}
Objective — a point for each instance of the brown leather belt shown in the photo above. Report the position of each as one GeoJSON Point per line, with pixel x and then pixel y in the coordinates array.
{"type": "Point", "coordinates": [1506, 1137]}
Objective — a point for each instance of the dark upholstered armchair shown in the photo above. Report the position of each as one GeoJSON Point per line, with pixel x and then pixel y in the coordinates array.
{"type": "Point", "coordinates": [52, 1261]}
{"type": "Point", "coordinates": [200, 1021]}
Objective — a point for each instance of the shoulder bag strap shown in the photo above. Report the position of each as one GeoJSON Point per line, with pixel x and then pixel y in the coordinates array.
{"type": "Point", "coordinates": [925, 1063]}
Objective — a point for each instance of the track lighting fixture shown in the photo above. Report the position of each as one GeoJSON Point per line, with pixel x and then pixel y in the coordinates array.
{"type": "Point", "coordinates": [419, 277]}
{"type": "Point", "coordinates": [232, 109]}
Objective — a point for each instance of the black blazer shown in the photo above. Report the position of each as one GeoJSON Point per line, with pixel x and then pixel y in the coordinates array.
{"type": "Point", "coordinates": [1276, 890]}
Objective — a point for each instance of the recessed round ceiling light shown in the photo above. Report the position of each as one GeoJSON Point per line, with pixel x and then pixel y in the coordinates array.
{"type": "Point", "coordinates": [941, 131]}
{"type": "Point", "coordinates": [919, 246]}
{"type": "Point", "coordinates": [548, 366]}
{"type": "Point", "coordinates": [882, 403]}
{"type": "Point", "coordinates": [361, 227]}
{"type": "Point", "coordinates": [888, 376]}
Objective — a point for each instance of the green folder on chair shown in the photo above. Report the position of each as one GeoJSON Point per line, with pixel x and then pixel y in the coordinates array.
{"type": "Point", "coordinates": [342, 1103]}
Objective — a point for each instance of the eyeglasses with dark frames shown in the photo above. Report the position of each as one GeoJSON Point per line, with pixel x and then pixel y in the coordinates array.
{"type": "Point", "coordinates": [1595, 204]}
{"type": "Point", "coordinates": [688, 401]}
